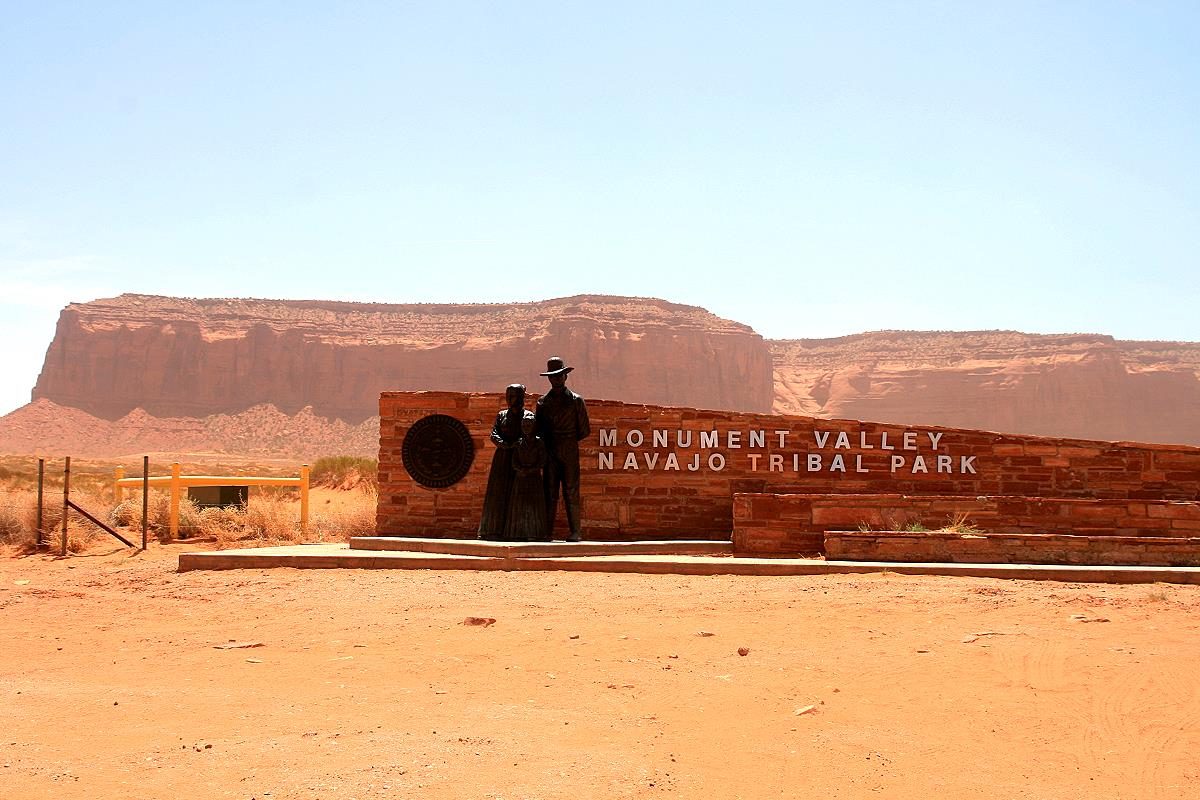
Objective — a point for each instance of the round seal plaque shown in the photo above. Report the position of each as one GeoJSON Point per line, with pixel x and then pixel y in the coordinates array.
{"type": "Point", "coordinates": [437, 451]}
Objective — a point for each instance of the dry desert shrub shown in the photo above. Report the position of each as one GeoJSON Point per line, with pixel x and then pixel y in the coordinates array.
{"type": "Point", "coordinates": [269, 517]}
{"type": "Point", "coordinates": [18, 520]}
{"type": "Point", "coordinates": [128, 514]}
{"type": "Point", "coordinates": [355, 517]}
{"type": "Point", "coordinates": [959, 524]}
{"type": "Point", "coordinates": [345, 472]}
{"type": "Point", "coordinates": [272, 518]}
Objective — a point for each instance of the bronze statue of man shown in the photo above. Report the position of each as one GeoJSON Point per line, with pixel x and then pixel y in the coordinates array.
{"type": "Point", "coordinates": [562, 422]}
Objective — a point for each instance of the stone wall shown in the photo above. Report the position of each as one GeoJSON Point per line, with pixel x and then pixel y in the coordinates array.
{"type": "Point", "coordinates": [662, 472]}
{"type": "Point", "coordinates": [1011, 548]}
{"type": "Point", "coordinates": [797, 523]}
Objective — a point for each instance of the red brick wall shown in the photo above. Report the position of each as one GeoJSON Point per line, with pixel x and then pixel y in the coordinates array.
{"type": "Point", "coordinates": [654, 502]}
{"type": "Point", "coordinates": [796, 523]}
{"type": "Point", "coordinates": [1011, 548]}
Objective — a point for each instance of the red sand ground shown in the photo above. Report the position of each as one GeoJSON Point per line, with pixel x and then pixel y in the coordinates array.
{"type": "Point", "coordinates": [368, 685]}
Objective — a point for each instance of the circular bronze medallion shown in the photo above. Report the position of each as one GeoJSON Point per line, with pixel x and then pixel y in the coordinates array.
{"type": "Point", "coordinates": [437, 451]}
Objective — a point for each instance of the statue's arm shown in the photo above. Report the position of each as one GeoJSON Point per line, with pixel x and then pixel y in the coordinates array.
{"type": "Point", "coordinates": [583, 426]}
{"type": "Point", "coordinates": [497, 438]}
{"type": "Point", "coordinates": [539, 418]}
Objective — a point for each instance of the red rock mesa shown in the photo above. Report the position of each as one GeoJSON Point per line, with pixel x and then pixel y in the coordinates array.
{"type": "Point", "coordinates": [191, 358]}
{"type": "Point", "coordinates": [1085, 385]}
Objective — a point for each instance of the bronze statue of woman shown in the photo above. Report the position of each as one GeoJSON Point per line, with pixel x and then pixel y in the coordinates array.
{"type": "Point", "coordinates": [527, 504]}
{"type": "Point", "coordinates": [506, 432]}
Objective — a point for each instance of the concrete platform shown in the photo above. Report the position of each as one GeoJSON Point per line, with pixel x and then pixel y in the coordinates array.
{"type": "Point", "coordinates": [476, 547]}
{"type": "Point", "coordinates": [340, 556]}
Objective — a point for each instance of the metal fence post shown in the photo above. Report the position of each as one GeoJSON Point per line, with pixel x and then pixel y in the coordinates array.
{"type": "Point", "coordinates": [40, 538]}
{"type": "Point", "coordinates": [175, 492]}
{"type": "Point", "coordinates": [66, 504]}
{"type": "Point", "coordinates": [304, 473]}
{"type": "Point", "coordinates": [145, 497]}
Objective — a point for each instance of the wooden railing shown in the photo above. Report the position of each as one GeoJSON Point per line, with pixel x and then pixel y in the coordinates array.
{"type": "Point", "coordinates": [177, 482]}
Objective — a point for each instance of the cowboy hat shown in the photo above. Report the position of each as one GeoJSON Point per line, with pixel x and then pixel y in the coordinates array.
{"type": "Point", "coordinates": [556, 366]}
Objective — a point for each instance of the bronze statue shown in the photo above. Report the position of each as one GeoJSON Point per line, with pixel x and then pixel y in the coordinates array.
{"type": "Point", "coordinates": [527, 502]}
{"type": "Point", "coordinates": [506, 432]}
{"type": "Point", "coordinates": [562, 422]}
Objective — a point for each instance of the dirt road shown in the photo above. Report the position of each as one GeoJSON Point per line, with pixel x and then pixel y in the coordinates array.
{"type": "Point", "coordinates": [367, 684]}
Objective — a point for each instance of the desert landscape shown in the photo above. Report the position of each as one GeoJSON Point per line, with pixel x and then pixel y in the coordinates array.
{"type": "Point", "coordinates": [613, 401]}
{"type": "Point", "coordinates": [324, 683]}
{"type": "Point", "coordinates": [301, 379]}
{"type": "Point", "coordinates": [366, 683]}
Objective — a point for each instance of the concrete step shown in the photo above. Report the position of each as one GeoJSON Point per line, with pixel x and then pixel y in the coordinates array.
{"type": "Point", "coordinates": [341, 556]}
{"type": "Point", "coordinates": [476, 547]}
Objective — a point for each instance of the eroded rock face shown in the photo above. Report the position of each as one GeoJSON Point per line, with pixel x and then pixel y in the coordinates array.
{"type": "Point", "coordinates": [177, 357]}
{"type": "Point", "coordinates": [1085, 386]}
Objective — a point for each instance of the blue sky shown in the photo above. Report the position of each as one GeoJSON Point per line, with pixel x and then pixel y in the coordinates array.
{"type": "Point", "coordinates": [809, 169]}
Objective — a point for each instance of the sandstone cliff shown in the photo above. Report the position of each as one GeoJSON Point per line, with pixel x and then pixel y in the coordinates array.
{"type": "Point", "coordinates": [1086, 386]}
{"type": "Point", "coordinates": [177, 357]}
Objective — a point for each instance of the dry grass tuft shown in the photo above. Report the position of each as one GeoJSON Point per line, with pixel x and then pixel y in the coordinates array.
{"type": "Point", "coordinates": [345, 472]}
{"type": "Point", "coordinates": [356, 517]}
{"type": "Point", "coordinates": [958, 524]}
{"type": "Point", "coordinates": [272, 518]}
{"type": "Point", "coordinates": [18, 520]}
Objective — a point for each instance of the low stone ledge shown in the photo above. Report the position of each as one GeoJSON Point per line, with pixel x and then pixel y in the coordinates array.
{"type": "Point", "coordinates": [1011, 548]}
{"type": "Point", "coordinates": [780, 524]}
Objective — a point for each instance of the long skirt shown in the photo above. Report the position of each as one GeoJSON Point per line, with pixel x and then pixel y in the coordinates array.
{"type": "Point", "coordinates": [495, 502]}
{"type": "Point", "coordinates": [527, 509]}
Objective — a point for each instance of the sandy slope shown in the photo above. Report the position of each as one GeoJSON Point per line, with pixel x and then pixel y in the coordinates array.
{"type": "Point", "coordinates": [369, 686]}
